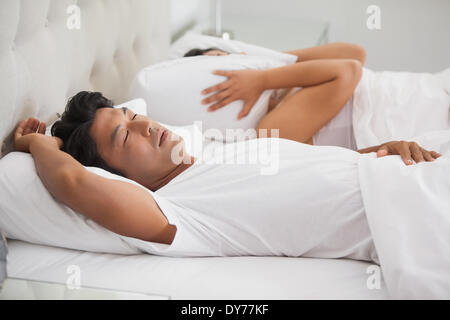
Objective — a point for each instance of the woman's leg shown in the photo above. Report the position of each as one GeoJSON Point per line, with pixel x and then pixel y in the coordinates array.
{"type": "Point", "coordinates": [301, 114]}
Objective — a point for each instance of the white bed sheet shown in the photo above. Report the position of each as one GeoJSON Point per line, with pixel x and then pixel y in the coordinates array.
{"type": "Point", "coordinates": [197, 278]}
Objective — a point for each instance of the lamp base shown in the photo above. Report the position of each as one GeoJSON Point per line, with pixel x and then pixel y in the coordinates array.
{"type": "Point", "coordinates": [224, 34]}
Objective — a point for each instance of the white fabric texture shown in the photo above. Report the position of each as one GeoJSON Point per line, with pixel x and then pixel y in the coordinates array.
{"type": "Point", "coordinates": [172, 91]}
{"type": "Point", "coordinates": [309, 206]}
{"type": "Point", "coordinates": [193, 40]}
{"type": "Point", "coordinates": [399, 106]}
{"type": "Point", "coordinates": [408, 209]}
{"type": "Point", "coordinates": [232, 278]}
{"type": "Point", "coordinates": [407, 206]}
{"type": "Point", "coordinates": [390, 106]}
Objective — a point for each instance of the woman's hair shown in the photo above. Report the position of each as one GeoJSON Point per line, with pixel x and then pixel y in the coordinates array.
{"type": "Point", "coordinates": [74, 125]}
{"type": "Point", "coordinates": [199, 52]}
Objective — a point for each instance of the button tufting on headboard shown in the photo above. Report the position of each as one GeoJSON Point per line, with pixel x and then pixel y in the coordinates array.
{"type": "Point", "coordinates": [43, 63]}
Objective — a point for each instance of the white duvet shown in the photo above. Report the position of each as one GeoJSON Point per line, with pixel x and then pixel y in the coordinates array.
{"type": "Point", "coordinates": [407, 207]}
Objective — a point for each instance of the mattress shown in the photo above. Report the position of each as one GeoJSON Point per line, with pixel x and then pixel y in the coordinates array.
{"type": "Point", "coordinates": [240, 278]}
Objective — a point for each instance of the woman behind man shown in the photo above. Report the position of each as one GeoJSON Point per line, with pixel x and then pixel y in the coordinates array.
{"type": "Point", "coordinates": [321, 112]}
{"type": "Point", "coordinates": [298, 115]}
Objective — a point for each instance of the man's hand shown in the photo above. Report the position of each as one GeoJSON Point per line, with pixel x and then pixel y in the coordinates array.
{"type": "Point", "coordinates": [408, 150]}
{"type": "Point", "coordinates": [29, 130]}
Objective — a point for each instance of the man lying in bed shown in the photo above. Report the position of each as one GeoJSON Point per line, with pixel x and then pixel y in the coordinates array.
{"type": "Point", "coordinates": [311, 206]}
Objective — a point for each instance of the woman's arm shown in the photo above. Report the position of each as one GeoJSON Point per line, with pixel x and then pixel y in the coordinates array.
{"type": "Point", "coordinates": [119, 206]}
{"type": "Point", "coordinates": [248, 85]}
{"type": "Point", "coordinates": [337, 50]}
{"type": "Point", "coordinates": [310, 73]}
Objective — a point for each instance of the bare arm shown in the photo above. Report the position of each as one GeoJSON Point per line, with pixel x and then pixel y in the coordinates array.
{"type": "Point", "coordinates": [311, 73]}
{"type": "Point", "coordinates": [248, 85]}
{"type": "Point", "coordinates": [327, 85]}
{"type": "Point", "coordinates": [121, 207]}
{"type": "Point", "coordinates": [337, 50]}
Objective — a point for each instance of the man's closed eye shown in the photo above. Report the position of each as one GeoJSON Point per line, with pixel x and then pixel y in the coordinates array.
{"type": "Point", "coordinates": [126, 137]}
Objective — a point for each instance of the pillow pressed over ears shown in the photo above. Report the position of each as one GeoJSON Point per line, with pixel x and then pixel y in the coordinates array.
{"type": "Point", "coordinates": [172, 91]}
{"type": "Point", "coordinates": [193, 40]}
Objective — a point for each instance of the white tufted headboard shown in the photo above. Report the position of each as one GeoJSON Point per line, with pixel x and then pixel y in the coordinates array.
{"type": "Point", "coordinates": [43, 62]}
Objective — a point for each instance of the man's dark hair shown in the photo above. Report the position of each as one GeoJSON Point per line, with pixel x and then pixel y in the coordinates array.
{"type": "Point", "coordinates": [74, 125]}
{"type": "Point", "coordinates": [199, 52]}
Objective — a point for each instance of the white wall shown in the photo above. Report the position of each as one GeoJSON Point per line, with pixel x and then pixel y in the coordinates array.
{"type": "Point", "coordinates": [414, 35]}
{"type": "Point", "coordinates": [185, 12]}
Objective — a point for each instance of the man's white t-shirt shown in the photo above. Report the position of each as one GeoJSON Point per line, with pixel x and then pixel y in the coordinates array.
{"type": "Point", "coordinates": [293, 200]}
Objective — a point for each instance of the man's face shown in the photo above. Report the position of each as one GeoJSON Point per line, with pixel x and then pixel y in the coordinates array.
{"type": "Point", "coordinates": [132, 144]}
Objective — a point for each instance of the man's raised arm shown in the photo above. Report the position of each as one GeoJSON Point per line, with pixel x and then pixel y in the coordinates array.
{"type": "Point", "coordinates": [119, 206]}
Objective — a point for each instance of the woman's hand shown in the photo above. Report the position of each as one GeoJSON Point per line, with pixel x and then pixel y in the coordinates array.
{"type": "Point", "coordinates": [246, 85]}
{"type": "Point", "coordinates": [28, 131]}
{"type": "Point", "coordinates": [407, 151]}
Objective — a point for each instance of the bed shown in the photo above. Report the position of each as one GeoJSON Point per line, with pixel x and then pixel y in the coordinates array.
{"type": "Point", "coordinates": [44, 59]}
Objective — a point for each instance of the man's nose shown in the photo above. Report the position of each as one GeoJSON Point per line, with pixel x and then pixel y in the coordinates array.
{"type": "Point", "coordinates": [142, 126]}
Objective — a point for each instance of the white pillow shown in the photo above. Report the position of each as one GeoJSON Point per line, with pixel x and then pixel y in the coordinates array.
{"type": "Point", "coordinates": [28, 212]}
{"type": "Point", "coordinates": [192, 40]}
{"type": "Point", "coordinates": [136, 105]}
{"type": "Point", "coordinates": [172, 91]}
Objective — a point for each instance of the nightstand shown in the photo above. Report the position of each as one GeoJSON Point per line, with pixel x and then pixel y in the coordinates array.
{"type": "Point", "coordinates": [18, 289]}
{"type": "Point", "coordinates": [278, 34]}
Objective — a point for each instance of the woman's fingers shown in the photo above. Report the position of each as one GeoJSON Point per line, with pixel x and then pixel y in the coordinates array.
{"type": "Point", "coordinates": [220, 104]}
{"type": "Point", "coordinates": [222, 73]}
{"type": "Point", "coordinates": [217, 96]}
{"type": "Point", "coordinates": [246, 109]}
{"type": "Point", "coordinates": [221, 86]}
